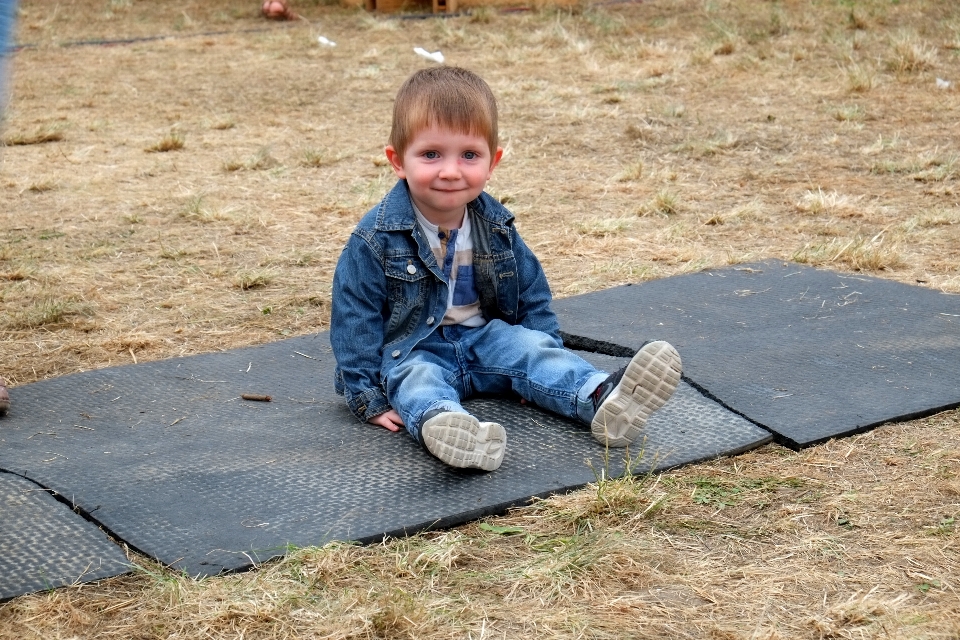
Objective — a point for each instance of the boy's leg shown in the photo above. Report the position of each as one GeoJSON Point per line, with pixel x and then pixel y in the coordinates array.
{"type": "Point", "coordinates": [501, 357]}
{"type": "Point", "coordinates": [616, 406]}
{"type": "Point", "coordinates": [423, 382]}
{"type": "Point", "coordinates": [626, 399]}
{"type": "Point", "coordinates": [425, 390]}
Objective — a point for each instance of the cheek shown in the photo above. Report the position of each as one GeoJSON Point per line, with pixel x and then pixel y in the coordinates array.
{"type": "Point", "coordinates": [419, 174]}
{"type": "Point", "coordinates": [480, 174]}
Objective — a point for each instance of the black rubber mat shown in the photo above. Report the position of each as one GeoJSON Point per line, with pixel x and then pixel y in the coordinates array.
{"type": "Point", "coordinates": [43, 544]}
{"type": "Point", "coordinates": [169, 458]}
{"type": "Point", "coordinates": [810, 354]}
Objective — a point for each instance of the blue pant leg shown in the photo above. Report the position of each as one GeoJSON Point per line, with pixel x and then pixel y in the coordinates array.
{"type": "Point", "coordinates": [428, 378]}
{"type": "Point", "coordinates": [501, 357]}
{"type": "Point", "coordinates": [8, 12]}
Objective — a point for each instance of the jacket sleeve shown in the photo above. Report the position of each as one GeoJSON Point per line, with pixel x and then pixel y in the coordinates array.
{"type": "Point", "coordinates": [533, 307]}
{"type": "Point", "coordinates": [357, 328]}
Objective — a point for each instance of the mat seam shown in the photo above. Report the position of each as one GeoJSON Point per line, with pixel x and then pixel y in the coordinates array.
{"type": "Point", "coordinates": [83, 513]}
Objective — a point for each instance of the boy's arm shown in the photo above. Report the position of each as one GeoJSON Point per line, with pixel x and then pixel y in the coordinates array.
{"type": "Point", "coordinates": [357, 328]}
{"type": "Point", "coordinates": [533, 308]}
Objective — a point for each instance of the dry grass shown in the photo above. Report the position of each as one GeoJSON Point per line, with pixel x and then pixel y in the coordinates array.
{"type": "Point", "coordinates": [172, 141]}
{"type": "Point", "coordinates": [642, 141]}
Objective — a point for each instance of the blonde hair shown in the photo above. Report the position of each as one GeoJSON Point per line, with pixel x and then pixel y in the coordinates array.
{"type": "Point", "coordinates": [449, 97]}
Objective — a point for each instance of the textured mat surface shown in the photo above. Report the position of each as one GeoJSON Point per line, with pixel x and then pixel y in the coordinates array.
{"type": "Point", "coordinates": [810, 354]}
{"type": "Point", "coordinates": [170, 460]}
{"type": "Point", "coordinates": [43, 544]}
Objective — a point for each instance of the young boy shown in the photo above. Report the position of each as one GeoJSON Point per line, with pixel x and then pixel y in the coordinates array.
{"type": "Point", "coordinates": [436, 297]}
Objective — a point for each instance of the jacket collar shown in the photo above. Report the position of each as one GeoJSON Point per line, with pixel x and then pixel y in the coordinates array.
{"type": "Point", "coordinates": [396, 210]}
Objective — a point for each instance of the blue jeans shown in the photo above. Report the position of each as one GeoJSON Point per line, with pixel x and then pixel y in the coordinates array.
{"type": "Point", "coordinates": [455, 362]}
{"type": "Point", "coordinates": [8, 13]}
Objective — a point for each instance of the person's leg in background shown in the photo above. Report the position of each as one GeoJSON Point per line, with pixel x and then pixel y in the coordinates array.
{"type": "Point", "coordinates": [8, 11]}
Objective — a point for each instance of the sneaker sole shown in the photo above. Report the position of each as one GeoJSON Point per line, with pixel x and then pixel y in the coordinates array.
{"type": "Point", "coordinates": [462, 441]}
{"type": "Point", "coordinates": [650, 379]}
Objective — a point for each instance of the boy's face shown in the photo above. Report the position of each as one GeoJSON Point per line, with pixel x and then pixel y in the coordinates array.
{"type": "Point", "coordinates": [445, 170]}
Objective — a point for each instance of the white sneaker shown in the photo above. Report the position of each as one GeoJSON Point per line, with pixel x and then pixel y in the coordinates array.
{"type": "Point", "coordinates": [460, 440]}
{"type": "Point", "coordinates": [627, 398]}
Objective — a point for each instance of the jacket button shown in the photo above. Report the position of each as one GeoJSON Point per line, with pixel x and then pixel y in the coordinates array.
{"type": "Point", "coordinates": [396, 353]}
{"type": "Point", "coordinates": [430, 321]}
{"type": "Point", "coordinates": [411, 269]}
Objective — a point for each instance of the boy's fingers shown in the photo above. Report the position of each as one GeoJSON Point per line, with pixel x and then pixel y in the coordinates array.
{"type": "Point", "coordinates": [390, 420]}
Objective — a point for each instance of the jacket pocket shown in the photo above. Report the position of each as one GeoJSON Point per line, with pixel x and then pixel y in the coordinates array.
{"type": "Point", "coordinates": [408, 286]}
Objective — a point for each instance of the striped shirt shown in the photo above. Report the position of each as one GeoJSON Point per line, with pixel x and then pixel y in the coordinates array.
{"type": "Point", "coordinates": [453, 249]}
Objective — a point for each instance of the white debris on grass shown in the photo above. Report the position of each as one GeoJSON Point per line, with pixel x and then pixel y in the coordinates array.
{"type": "Point", "coordinates": [436, 56]}
{"type": "Point", "coordinates": [942, 84]}
{"type": "Point", "coordinates": [328, 43]}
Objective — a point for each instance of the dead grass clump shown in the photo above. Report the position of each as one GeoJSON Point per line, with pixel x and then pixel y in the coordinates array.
{"type": "Point", "coordinates": [41, 186]}
{"type": "Point", "coordinates": [628, 499]}
{"type": "Point", "coordinates": [749, 213]}
{"type": "Point", "coordinates": [725, 48]}
{"type": "Point", "coordinates": [703, 56]}
{"type": "Point", "coordinates": [41, 135]}
{"type": "Point", "coordinates": [643, 132]}
{"type": "Point", "coordinates": [665, 203]}
{"type": "Point", "coordinates": [937, 168]}
{"type": "Point", "coordinates": [197, 208]}
{"type": "Point", "coordinates": [850, 113]}
{"type": "Point", "coordinates": [911, 55]}
{"type": "Point", "coordinates": [858, 18]}
{"type": "Point", "coordinates": [132, 342]}
{"type": "Point", "coordinates": [260, 161]}
{"type": "Point", "coordinates": [933, 219]}
{"type": "Point", "coordinates": [860, 254]}
{"type": "Point", "coordinates": [860, 78]}
{"type": "Point", "coordinates": [224, 124]}
{"type": "Point", "coordinates": [859, 616]}
{"type": "Point", "coordinates": [927, 167]}
{"type": "Point", "coordinates": [16, 275]}
{"type": "Point", "coordinates": [715, 144]}
{"type": "Point", "coordinates": [483, 14]}
{"type": "Point", "coordinates": [604, 227]}
{"type": "Point", "coordinates": [832, 203]}
{"type": "Point", "coordinates": [172, 141]}
{"type": "Point", "coordinates": [44, 312]}
{"type": "Point", "coordinates": [631, 172]}
{"type": "Point", "coordinates": [312, 158]}
{"type": "Point", "coordinates": [254, 279]}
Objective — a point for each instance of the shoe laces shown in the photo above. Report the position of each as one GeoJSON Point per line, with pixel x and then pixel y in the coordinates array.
{"type": "Point", "coordinates": [606, 387]}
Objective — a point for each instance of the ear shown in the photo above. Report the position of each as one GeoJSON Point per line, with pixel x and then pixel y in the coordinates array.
{"type": "Point", "coordinates": [495, 161]}
{"type": "Point", "coordinates": [396, 161]}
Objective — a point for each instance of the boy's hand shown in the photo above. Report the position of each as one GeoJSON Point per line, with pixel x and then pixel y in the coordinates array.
{"type": "Point", "coordinates": [389, 420]}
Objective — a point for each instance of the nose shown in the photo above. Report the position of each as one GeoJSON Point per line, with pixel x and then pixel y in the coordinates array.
{"type": "Point", "coordinates": [450, 169]}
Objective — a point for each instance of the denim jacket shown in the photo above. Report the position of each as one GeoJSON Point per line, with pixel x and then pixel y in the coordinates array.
{"type": "Point", "coordinates": [389, 293]}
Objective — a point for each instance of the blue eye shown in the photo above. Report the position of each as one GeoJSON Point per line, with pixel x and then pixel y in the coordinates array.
{"type": "Point", "coordinates": [471, 155]}
{"type": "Point", "coordinates": [431, 155]}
